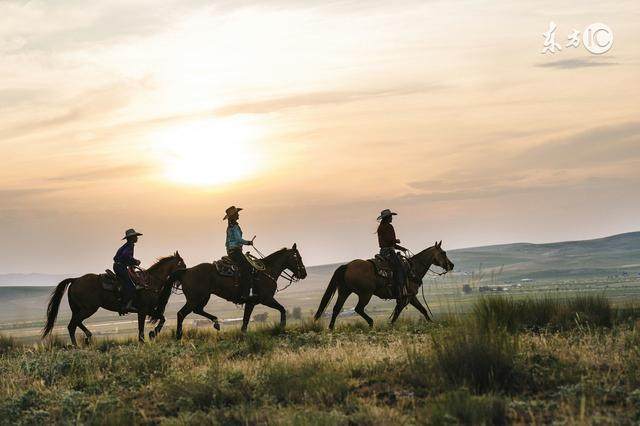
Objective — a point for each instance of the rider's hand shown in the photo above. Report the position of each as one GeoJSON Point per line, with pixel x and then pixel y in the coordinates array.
{"type": "Point", "coordinates": [250, 243]}
{"type": "Point", "coordinates": [398, 241]}
{"type": "Point", "coordinates": [138, 263]}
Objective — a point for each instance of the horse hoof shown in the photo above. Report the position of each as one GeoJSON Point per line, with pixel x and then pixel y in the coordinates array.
{"type": "Point", "coordinates": [152, 334]}
{"type": "Point", "coordinates": [216, 325]}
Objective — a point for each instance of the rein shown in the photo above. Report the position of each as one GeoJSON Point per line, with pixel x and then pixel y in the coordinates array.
{"type": "Point", "coordinates": [284, 274]}
{"type": "Point", "coordinates": [433, 273]}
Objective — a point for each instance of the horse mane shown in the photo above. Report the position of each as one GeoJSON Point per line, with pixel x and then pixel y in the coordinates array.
{"type": "Point", "coordinates": [161, 261]}
{"type": "Point", "coordinates": [270, 257]}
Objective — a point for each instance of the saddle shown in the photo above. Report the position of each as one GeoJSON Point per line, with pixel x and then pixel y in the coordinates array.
{"type": "Point", "coordinates": [110, 281]}
{"type": "Point", "coordinates": [228, 268]}
{"type": "Point", "coordinates": [383, 267]}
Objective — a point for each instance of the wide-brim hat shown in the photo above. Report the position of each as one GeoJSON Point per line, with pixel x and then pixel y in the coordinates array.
{"type": "Point", "coordinates": [231, 211]}
{"type": "Point", "coordinates": [386, 213]}
{"type": "Point", "coordinates": [131, 233]}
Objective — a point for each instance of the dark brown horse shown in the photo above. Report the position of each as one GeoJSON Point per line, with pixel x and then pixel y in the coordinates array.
{"type": "Point", "coordinates": [199, 282]}
{"type": "Point", "coordinates": [86, 296]}
{"type": "Point", "coordinates": [360, 277]}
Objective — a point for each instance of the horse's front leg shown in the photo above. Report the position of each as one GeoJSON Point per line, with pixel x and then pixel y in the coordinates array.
{"type": "Point", "coordinates": [141, 318]}
{"type": "Point", "coordinates": [248, 309]}
{"type": "Point", "coordinates": [273, 303]}
{"type": "Point", "coordinates": [398, 310]}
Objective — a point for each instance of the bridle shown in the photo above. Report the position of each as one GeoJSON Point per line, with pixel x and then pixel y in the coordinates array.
{"type": "Point", "coordinates": [153, 276]}
{"type": "Point", "coordinates": [292, 278]}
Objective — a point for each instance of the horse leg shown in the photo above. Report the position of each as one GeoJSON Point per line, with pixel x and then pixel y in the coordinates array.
{"type": "Point", "coordinates": [248, 309]}
{"type": "Point", "coordinates": [153, 333]}
{"type": "Point", "coordinates": [141, 318]}
{"type": "Point", "coordinates": [72, 330]}
{"type": "Point", "coordinates": [213, 318]}
{"type": "Point", "coordinates": [363, 301]}
{"type": "Point", "coordinates": [182, 313]}
{"type": "Point", "coordinates": [273, 303]}
{"type": "Point", "coordinates": [397, 311]}
{"type": "Point", "coordinates": [342, 297]}
{"type": "Point", "coordinates": [416, 304]}
{"type": "Point", "coordinates": [76, 321]}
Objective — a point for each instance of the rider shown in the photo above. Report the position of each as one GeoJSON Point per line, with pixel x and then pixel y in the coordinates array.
{"type": "Point", "coordinates": [234, 245]}
{"type": "Point", "coordinates": [122, 260]}
{"type": "Point", "coordinates": [388, 246]}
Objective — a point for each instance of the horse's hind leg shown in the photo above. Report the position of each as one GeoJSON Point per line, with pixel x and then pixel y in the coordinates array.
{"type": "Point", "coordinates": [342, 297]}
{"type": "Point", "coordinates": [72, 330]}
{"type": "Point", "coordinates": [182, 313]}
{"type": "Point", "coordinates": [363, 301]}
{"type": "Point", "coordinates": [154, 333]}
{"type": "Point", "coordinates": [141, 318]}
{"type": "Point", "coordinates": [273, 303]}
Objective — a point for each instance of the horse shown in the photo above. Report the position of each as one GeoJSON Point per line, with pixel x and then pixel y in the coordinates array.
{"type": "Point", "coordinates": [86, 295]}
{"type": "Point", "coordinates": [359, 276]}
{"type": "Point", "coordinates": [199, 282]}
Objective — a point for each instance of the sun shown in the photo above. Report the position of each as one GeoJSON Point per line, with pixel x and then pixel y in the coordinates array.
{"type": "Point", "coordinates": [209, 153]}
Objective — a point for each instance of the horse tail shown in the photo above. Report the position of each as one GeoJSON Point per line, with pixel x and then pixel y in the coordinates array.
{"type": "Point", "coordinates": [336, 280]}
{"type": "Point", "coordinates": [54, 305]}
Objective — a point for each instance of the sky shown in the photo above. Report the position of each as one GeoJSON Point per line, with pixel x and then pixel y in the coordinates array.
{"type": "Point", "coordinates": [313, 116]}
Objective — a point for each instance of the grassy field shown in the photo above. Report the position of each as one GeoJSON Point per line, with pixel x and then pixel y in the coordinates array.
{"type": "Point", "coordinates": [509, 360]}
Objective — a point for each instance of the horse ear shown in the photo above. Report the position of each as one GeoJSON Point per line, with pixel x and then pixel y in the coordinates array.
{"type": "Point", "coordinates": [295, 246]}
{"type": "Point", "coordinates": [440, 243]}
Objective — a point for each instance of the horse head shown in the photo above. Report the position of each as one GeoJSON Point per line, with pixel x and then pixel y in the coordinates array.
{"type": "Point", "coordinates": [294, 263]}
{"type": "Point", "coordinates": [440, 257]}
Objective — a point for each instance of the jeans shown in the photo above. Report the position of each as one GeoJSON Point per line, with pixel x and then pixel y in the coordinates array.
{"type": "Point", "coordinates": [399, 274]}
{"type": "Point", "coordinates": [246, 270]}
{"type": "Point", "coordinates": [128, 287]}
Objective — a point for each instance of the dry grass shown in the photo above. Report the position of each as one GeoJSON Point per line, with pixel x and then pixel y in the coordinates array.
{"type": "Point", "coordinates": [413, 373]}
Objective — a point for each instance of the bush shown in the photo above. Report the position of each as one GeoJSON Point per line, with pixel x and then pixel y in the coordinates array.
{"type": "Point", "coordinates": [483, 360]}
{"type": "Point", "coordinates": [6, 344]}
{"type": "Point", "coordinates": [538, 313]}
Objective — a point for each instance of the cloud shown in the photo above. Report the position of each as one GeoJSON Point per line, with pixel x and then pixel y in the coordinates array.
{"type": "Point", "coordinates": [569, 64]}
{"type": "Point", "coordinates": [105, 173]}
{"type": "Point", "coordinates": [612, 143]}
{"type": "Point", "coordinates": [319, 98]}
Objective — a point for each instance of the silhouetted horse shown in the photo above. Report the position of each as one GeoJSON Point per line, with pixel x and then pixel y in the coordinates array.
{"type": "Point", "coordinates": [359, 276]}
{"type": "Point", "coordinates": [199, 282]}
{"type": "Point", "coordinates": [86, 296]}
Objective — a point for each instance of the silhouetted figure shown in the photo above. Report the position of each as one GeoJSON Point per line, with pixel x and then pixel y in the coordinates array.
{"type": "Point", "coordinates": [388, 246]}
{"type": "Point", "coordinates": [234, 245]}
{"type": "Point", "coordinates": [121, 263]}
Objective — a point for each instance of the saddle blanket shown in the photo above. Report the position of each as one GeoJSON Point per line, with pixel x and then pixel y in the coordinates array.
{"type": "Point", "coordinates": [383, 267]}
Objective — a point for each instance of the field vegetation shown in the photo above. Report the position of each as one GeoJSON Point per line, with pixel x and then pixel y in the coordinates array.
{"type": "Point", "coordinates": [509, 361]}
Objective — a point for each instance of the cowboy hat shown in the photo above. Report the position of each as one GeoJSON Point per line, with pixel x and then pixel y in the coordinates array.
{"type": "Point", "coordinates": [131, 233]}
{"type": "Point", "coordinates": [386, 213]}
{"type": "Point", "coordinates": [231, 211]}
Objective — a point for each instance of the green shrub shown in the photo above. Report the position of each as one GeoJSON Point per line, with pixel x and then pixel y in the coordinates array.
{"type": "Point", "coordinates": [483, 360]}
{"type": "Point", "coordinates": [7, 344]}
{"type": "Point", "coordinates": [460, 407]}
{"type": "Point", "coordinates": [306, 381]}
{"type": "Point", "coordinates": [546, 312]}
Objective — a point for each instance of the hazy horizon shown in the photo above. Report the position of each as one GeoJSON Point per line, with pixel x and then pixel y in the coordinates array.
{"type": "Point", "coordinates": [312, 117]}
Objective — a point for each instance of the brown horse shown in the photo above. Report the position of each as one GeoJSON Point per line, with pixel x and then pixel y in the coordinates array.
{"type": "Point", "coordinates": [359, 276]}
{"type": "Point", "coordinates": [86, 296]}
{"type": "Point", "coordinates": [199, 282]}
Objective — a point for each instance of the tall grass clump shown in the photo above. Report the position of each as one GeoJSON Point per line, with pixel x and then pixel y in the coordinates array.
{"type": "Point", "coordinates": [6, 344]}
{"type": "Point", "coordinates": [543, 313]}
{"type": "Point", "coordinates": [482, 360]}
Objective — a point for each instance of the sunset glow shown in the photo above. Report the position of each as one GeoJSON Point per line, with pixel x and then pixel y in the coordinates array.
{"type": "Point", "coordinates": [209, 153]}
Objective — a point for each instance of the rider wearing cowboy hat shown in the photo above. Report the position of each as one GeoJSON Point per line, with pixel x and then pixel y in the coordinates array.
{"type": "Point", "coordinates": [388, 245]}
{"type": "Point", "coordinates": [234, 245]}
{"type": "Point", "coordinates": [121, 262]}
